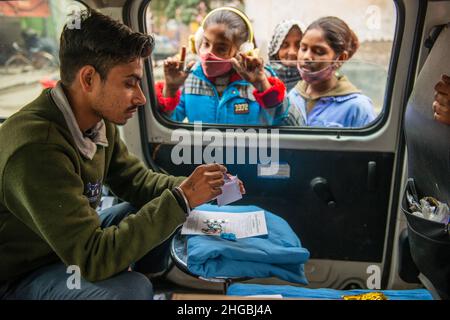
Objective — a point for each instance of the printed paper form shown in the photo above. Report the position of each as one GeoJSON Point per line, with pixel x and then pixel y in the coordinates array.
{"type": "Point", "coordinates": [243, 225]}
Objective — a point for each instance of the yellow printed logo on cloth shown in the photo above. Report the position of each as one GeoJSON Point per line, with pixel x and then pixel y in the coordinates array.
{"type": "Point", "coordinates": [241, 108]}
{"type": "Point", "coordinates": [366, 296]}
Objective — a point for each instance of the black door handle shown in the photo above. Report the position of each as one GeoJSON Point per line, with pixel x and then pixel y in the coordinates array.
{"type": "Point", "coordinates": [321, 187]}
{"type": "Point", "coordinates": [371, 176]}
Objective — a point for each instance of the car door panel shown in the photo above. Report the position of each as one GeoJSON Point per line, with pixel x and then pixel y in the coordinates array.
{"type": "Point", "coordinates": [347, 174]}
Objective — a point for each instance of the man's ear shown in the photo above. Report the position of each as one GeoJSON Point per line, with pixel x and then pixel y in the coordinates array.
{"type": "Point", "coordinates": [86, 76]}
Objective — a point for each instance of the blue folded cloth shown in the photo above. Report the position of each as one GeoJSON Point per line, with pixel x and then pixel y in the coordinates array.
{"type": "Point", "coordinates": [278, 254]}
{"type": "Point", "coordinates": [241, 289]}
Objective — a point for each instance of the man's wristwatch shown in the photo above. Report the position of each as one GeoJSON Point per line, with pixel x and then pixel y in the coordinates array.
{"type": "Point", "coordinates": [182, 200]}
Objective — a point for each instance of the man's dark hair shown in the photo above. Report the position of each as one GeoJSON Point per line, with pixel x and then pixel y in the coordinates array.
{"type": "Point", "coordinates": [100, 42]}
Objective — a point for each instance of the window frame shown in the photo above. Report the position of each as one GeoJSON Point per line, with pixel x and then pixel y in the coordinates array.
{"type": "Point", "coordinates": [381, 120]}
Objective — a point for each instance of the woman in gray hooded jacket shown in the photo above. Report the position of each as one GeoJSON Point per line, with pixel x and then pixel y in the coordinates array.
{"type": "Point", "coordinates": [283, 49]}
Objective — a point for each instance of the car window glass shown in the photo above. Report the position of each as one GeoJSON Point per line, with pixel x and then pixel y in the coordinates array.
{"type": "Point", "coordinates": [210, 99]}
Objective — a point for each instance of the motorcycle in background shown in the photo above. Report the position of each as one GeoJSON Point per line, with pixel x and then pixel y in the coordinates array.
{"type": "Point", "coordinates": [38, 54]}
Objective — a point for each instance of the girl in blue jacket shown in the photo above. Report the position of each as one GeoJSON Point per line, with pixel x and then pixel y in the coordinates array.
{"type": "Point", "coordinates": [325, 98]}
{"type": "Point", "coordinates": [229, 85]}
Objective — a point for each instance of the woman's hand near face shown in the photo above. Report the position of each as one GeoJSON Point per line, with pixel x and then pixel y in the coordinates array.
{"type": "Point", "coordinates": [174, 75]}
{"type": "Point", "coordinates": [251, 69]}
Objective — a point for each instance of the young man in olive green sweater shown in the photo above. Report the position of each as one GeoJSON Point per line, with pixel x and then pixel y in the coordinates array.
{"type": "Point", "coordinates": [55, 155]}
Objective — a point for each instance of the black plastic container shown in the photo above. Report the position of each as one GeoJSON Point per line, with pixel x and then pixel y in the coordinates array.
{"type": "Point", "coordinates": [430, 249]}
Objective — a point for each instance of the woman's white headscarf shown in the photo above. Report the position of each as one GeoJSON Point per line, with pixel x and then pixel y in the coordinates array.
{"type": "Point", "coordinates": [280, 33]}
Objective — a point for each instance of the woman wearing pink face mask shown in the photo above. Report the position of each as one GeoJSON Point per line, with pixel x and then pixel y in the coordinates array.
{"type": "Point", "coordinates": [324, 98]}
{"type": "Point", "coordinates": [226, 85]}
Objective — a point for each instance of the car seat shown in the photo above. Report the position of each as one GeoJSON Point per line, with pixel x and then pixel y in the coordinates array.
{"type": "Point", "coordinates": [428, 145]}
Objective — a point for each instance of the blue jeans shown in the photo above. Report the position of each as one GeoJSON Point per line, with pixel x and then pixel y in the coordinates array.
{"type": "Point", "coordinates": [50, 282]}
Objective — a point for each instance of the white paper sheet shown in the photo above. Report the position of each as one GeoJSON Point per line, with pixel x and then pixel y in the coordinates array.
{"type": "Point", "coordinates": [230, 192]}
{"type": "Point", "coordinates": [243, 225]}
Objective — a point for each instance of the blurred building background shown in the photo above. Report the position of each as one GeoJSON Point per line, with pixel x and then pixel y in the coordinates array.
{"type": "Point", "coordinates": [28, 28]}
